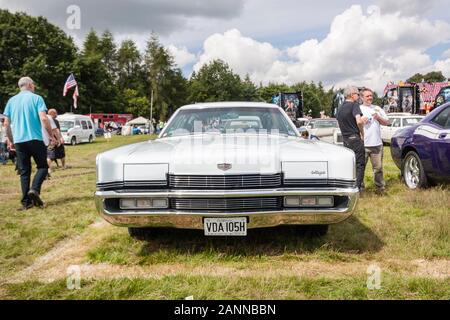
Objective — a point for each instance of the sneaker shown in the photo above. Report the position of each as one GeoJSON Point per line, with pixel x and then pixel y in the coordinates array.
{"type": "Point", "coordinates": [25, 207]}
{"type": "Point", "coordinates": [35, 198]}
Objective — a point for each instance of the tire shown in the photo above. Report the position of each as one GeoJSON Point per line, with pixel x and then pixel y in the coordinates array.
{"type": "Point", "coordinates": [139, 233]}
{"type": "Point", "coordinates": [412, 171]}
{"type": "Point", "coordinates": [91, 139]}
{"type": "Point", "coordinates": [73, 141]}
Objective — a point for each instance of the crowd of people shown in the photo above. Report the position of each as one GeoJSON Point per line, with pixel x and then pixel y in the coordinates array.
{"type": "Point", "coordinates": [361, 132]}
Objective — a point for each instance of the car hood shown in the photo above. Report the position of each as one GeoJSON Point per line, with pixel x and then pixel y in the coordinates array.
{"type": "Point", "coordinates": [247, 154]}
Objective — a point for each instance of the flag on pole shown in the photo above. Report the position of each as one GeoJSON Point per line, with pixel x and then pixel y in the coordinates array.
{"type": "Point", "coordinates": [75, 97]}
{"type": "Point", "coordinates": [70, 83]}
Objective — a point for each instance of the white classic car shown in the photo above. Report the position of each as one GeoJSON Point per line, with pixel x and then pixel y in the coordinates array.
{"type": "Point", "coordinates": [398, 121]}
{"type": "Point", "coordinates": [225, 168]}
{"type": "Point", "coordinates": [326, 130]}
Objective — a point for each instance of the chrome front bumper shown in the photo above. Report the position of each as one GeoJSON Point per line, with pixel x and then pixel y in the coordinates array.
{"type": "Point", "coordinates": [257, 219]}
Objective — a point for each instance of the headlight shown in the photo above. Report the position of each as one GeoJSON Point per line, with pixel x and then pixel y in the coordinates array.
{"type": "Point", "coordinates": [144, 203]}
{"type": "Point", "coordinates": [309, 201]}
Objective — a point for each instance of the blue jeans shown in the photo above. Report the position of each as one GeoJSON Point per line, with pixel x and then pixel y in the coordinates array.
{"type": "Point", "coordinates": [3, 153]}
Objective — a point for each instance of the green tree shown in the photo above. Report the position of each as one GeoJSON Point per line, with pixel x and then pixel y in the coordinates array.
{"type": "Point", "coordinates": [434, 76]}
{"type": "Point", "coordinates": [97, 89]}
{"type": "Point", "coordinates": [129, 66]}
{"type": "Point", "coordinates": [135, 104]}
{"type": "Point", "coordinates": [163, 79]}
{"type": "Point", "coordinates": [108, 50]}
{"type": "Point", "coordinates": [215, 81]}
{"type": "Point", "coordinates": [249, 90]}
{"type": "Point", "coordinates": [91, 45]}
{"type": "Point", "coordinates": [272, 89]}
{"type": "Point", "coordinates": [36, 48]}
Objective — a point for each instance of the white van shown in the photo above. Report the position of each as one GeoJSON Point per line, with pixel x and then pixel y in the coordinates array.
{"type": "Point", "coordinates": [76, 128]}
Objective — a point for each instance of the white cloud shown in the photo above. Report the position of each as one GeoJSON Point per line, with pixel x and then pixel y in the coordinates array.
{"type": "Point", "coordinates": [446, 54]}
{"type": "Point", "coordinates": [406, 7]}
{"type": "Point", "coordinates": [444, 66]}
{"type": "Point", "coordinates": [365, 48]}
{"type": "Point", "coordinates": [181, 55]}
{"type": "Point", "coordinates": [243, 54]}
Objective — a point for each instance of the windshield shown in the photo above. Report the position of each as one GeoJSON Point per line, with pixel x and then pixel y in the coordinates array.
{"type": "Point", "coordinates": [248, 120]}
{"type": "Point", "coordinates": [66, 125]}
{"type": "Point", "coordinates": [325, 124]}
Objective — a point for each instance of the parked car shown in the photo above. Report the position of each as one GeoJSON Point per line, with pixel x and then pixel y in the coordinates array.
{"type": "Point", "coordinates": [76, 128]}
{"type": "Point", "coordinates": [198, 175]}
{"type": "Point", "coordinates": [422, 151]}
{"type": "Point", "coordinates": [324, 129]}
{"type": "Point", "coordinates": [396, 122]}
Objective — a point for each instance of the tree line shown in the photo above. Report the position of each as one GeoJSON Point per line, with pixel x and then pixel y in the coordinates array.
{"type": "Point", "coordinates": [119, 78]}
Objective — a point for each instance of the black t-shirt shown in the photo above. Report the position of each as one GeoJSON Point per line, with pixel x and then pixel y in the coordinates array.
{"type": "Point", "coordinates": [57, 124]}
{"type": "Point", "coordinates": [346, 118]}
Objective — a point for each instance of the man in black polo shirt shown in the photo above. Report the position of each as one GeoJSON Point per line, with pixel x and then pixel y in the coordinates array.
{"type": "Point", "coordinates": [351, 123]}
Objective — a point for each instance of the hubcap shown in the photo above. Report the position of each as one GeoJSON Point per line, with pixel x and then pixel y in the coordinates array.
{"type": "Point", "coordinates": [412, 172]}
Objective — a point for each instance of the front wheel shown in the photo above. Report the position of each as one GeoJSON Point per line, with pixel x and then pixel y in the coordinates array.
{"type": "Point", "coordinates": [73, 141]}
{"type": "Point", "coordinates": [413, 172]}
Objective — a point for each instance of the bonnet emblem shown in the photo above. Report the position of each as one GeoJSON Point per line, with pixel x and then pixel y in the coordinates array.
{"type": "Point", "coordinates": [224, 166]}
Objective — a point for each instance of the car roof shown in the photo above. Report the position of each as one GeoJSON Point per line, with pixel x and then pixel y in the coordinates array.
{"type": "Point", "coordinates": [234, 104]}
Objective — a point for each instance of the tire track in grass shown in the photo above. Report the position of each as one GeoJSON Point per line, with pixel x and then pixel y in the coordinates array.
{"type": "Point", "coordinates": [73, 251]}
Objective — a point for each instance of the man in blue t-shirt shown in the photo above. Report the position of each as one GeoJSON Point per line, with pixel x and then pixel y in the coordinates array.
{"type": "Point", "coordinates": [26, 113]}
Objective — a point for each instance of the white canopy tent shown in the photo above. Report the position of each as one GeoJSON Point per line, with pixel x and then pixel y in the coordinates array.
{"type": "Point", "coordinates": [140, 121]}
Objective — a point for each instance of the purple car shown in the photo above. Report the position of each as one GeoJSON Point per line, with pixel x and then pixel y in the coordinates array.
{"type": "Point", "coordinates": [422, 151]}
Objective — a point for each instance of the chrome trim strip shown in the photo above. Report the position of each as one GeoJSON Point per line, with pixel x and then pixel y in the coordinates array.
{"type": "Point", "coordinates": [279, 192]}
{"type": "Point", "coordinates": [257, 219]}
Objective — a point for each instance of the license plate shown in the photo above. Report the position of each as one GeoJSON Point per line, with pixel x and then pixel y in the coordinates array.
{"type": "Point", "coordinates": [225, 226]}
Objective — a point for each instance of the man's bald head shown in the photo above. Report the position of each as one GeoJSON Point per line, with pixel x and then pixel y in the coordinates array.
{"type": "Point", "coordinates": [53, 113]}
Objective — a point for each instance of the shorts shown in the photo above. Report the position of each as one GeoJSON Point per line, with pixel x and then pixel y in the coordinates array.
{"type": "Point", "coordinates": [60, 152]}
{"type": "Point", "coordinates": [51, 153]}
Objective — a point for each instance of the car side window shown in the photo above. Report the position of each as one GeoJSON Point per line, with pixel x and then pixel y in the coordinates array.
{"type": "Point", "coordinates": [84, 125]}
{"type": "Point", "coordinates": [395, 123]}
{"type": "Point", "coordinates": [443, 118]}
{"type": "Point", "coordinates": [90, 125]}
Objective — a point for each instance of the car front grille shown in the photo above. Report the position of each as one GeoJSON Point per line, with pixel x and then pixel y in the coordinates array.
{"type": "Point", "coordinates": [141, 185]}
{"type": "Point", "coordinates": [226, 204]}
{"type": "Point", "coordinates": [320, 183]}
{"type": "Point", "coordinates": [225, 181]}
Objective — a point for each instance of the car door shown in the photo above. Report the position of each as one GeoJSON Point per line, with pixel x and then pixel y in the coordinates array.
{"type": "Point", "coordinates": [392, 128]}
{"type": "Point", "coordinates": [85, 130]}
{"type": "Point", "coordinates": [441, 143]}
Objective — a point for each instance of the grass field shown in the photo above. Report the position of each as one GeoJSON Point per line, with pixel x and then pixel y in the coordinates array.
{"type": "Point", "coordinates": [406, 234]}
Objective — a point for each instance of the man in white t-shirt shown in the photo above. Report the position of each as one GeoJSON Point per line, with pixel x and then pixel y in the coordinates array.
{"type": "Point", "coordinates": [45, 135]}
{"type": "Point", "coordinates": [50, 147]}
{"type": "Point", "coordinates": [372, 137]}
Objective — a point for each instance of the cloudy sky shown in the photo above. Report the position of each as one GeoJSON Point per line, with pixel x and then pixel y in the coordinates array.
{"type": "Point", "coordinates": [362, 42]}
